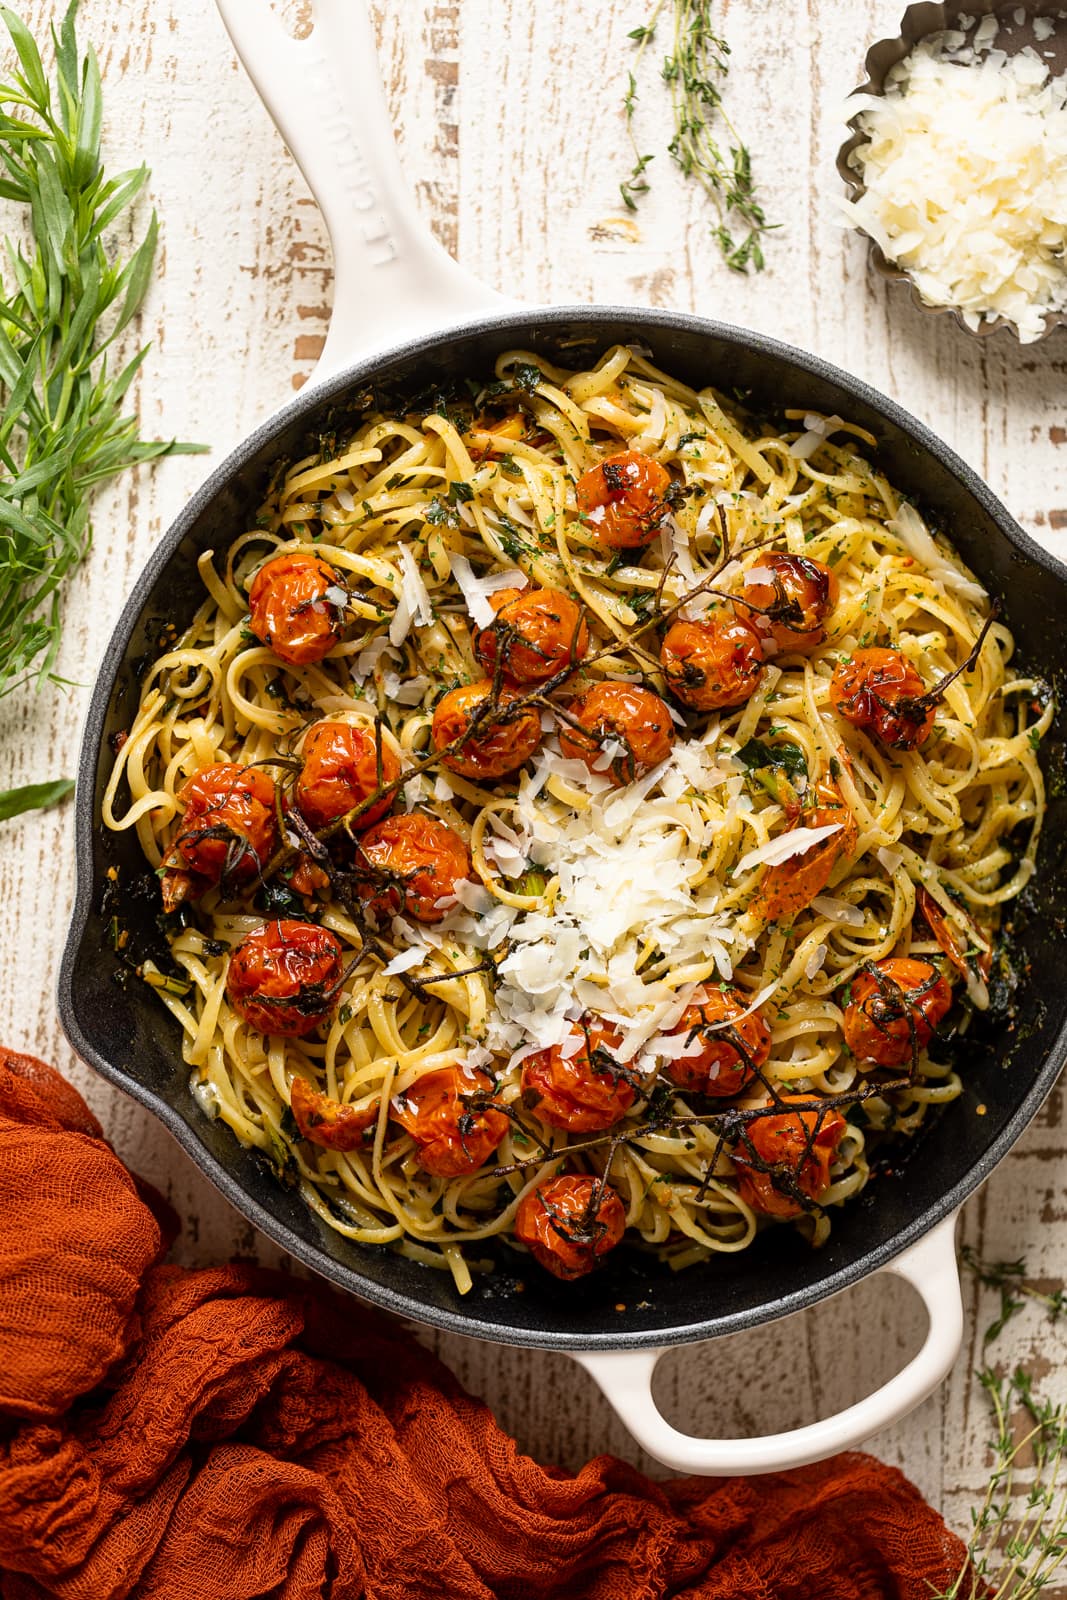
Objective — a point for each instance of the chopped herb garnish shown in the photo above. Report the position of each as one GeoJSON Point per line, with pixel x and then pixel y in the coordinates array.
{"type": "Point", "coordinates": [441, 514]}
{"type": "Point", "coordinates": [527, 376]}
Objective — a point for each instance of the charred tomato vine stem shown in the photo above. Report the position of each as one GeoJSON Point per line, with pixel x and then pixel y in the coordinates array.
{"type": "Point", "coordinates": [731, 1122]}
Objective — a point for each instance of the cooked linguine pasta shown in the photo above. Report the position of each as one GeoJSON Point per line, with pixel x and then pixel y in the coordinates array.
{"type": "Point", "coordinates": [699, 959]}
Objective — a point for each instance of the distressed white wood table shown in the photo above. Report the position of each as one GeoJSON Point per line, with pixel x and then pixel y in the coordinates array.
{"type": "Point", "coordinates": [511, 132]}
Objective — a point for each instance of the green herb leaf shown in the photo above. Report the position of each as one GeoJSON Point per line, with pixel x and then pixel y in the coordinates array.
{"type": "Point", "coordinates": [29, 56]}
{"type": "Point", "coordinates": [788, 758]}
{"type": "Point", "coordinates": [527, 376]}
{"type": "Point", "coordinates": [33, 797]}
{"type": "Point", "coordinates": [440, 514]}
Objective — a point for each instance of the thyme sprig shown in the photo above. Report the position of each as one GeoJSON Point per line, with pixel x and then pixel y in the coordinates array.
{"type": "Point", "coordinates": [1012, 1281]}
{"type": "Point", "coordinates": [1019, 1536]}
{"type": "Point", "coordinates": [636, 183]}
{"type": "Point", "coordinates": [696, 70]}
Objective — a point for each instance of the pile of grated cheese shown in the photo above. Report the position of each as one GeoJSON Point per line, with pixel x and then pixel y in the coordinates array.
{"type": "Point", "coordinates": [626, 867]}
{"type": "Point", "coordinates": [633, 907]}
{"type": "Point", "coordinates": [965, 168]}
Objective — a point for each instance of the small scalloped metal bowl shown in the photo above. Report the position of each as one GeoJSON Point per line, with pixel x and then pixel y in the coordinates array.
{"type": "Point", "coordinates": [919, 22]}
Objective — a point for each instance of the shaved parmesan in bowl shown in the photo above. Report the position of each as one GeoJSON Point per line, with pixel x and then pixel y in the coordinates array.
{"type": "Point", "coordinates": [964, 167]}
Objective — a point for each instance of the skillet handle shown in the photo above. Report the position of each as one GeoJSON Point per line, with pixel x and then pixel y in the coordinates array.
{"type": "Point", "coordinates": [392, 280]}
{"type": "Point", "coordinates": [626, 1380]}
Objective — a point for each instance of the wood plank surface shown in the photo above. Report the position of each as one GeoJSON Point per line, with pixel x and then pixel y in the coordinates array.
{"type": "Point", "coordinates": [510, 129]}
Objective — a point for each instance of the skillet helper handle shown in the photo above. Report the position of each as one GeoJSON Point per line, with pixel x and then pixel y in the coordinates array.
{"type": "Point", "coordinates": [392, 280]}
{"type": "Point", "coordinates": [929, 1266]}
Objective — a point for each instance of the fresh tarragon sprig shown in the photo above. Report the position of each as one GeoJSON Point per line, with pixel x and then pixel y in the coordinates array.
{"type": "Point", "coordinates": [1019, 1534]}
{"type": "Point", "coordinates": [696, 70]}
{"type": "Point", "coordinates": [64, 301]}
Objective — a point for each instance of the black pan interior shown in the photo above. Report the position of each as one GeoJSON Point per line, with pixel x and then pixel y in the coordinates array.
{"type": "Point", "coordinates": [130, 1038]}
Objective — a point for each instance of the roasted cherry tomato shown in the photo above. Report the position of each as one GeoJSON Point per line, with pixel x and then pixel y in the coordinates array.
{"type": "Point", "coordinates": [795, 595]}
{"type": "Point", "coordinates": [297, 607]}
{"type": "Point", "coordinates": [327, 1122]}
{"type": "Point", "coordinates": [623, 715]}
{"type": "Point", "coordinates": [343, 766]}
{"type": "Point", "coordinates": [585, 1092]}
{"type": "Point", "coordinates": [784, 890]}
{"type": "Point", "coordinates": [798, 1148]}
{"type": "Point", "coordinates": [622, 499]}
{"type": "Point", "coordinates": [284, 977]}
{"type": "Point", "coordinates": [496, 744]}
{"type": "Point", "coordinates": [892, 1009]}
{"type": "Point", "coordinates": [228, 831]}
{"type": "Point", "coordinates": [407, 863]}
{"type": "Point", "coordinates": [715, 1020]}
{"type": "Point", "coordinates": [881, 690]}
{"type": "Point", "coordinates": [443, 1111]}
{"type": "Point", "coordinates": [825, 805]}
{"type": "Point", "coordinates": [305, 876]}
{"type": "Point", "coordinates": [569, 1222]}
{"type": "Point", "coordinates": [537, 633]}
{"type": "Point", "coordinates": [713, 663]}
{"type": "Point", "coordinates": [502, 427]}
{"type": "Point", "coordinates": [953, 944]}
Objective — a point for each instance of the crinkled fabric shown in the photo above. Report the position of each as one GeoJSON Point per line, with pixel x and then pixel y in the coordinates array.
{"type": "Point", "coordinates": [231, 1433]}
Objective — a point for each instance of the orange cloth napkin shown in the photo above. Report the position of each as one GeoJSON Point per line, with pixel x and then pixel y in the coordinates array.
{"type": "Point", "coordinates": [230, 1433]}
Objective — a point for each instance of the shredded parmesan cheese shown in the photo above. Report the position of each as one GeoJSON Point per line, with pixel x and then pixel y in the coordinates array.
{"type": "Point", "coordinates": [476, 591]}
{"type": "Point", "coordinates": [368, 659]}
{"type": "Point", "coordinates": [404, 961]}
{"type": "Point", "coordinates": [814, 964]}
{"type": "Point", "coordinates": [413, 603]}
{"type": "Point", "coordinates": [816, 431]}
{"type": "Point", "coordinates": [910, 528]}
{"type": "Point", "coordinates": [891, 860]}
{"type": "Point", "coordinates": [965, 168]}
{"type": "Point", "coordinates": [838, 910]}
{"type": "Point", "coordinates": [786, 845]}
{"type": "Point", "coordinates": [631, 898]}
